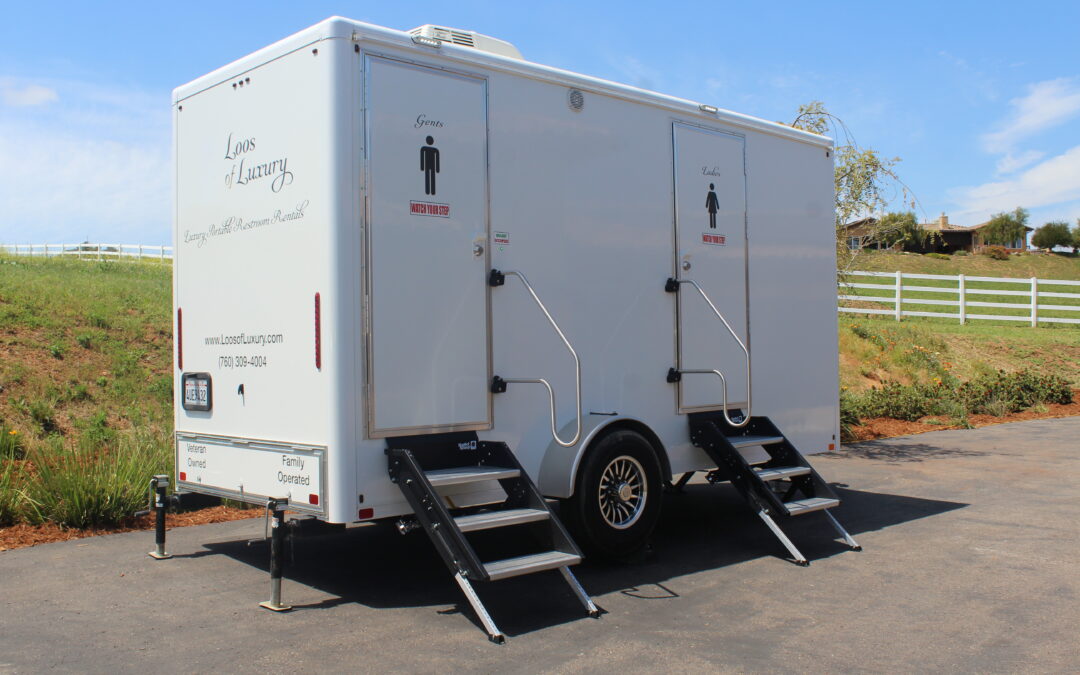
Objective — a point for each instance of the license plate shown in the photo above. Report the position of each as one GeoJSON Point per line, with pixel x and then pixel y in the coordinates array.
{"type": "Point", "coordinates": [197, 391]}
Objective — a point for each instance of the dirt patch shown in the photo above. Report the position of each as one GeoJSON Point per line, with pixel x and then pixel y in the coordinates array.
{"type": "Point", "coordinates": [884, 427]}
{"type": "Point", "coordinates": [21, 536]}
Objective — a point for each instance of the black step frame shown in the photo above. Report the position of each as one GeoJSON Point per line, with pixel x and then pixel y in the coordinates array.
{"type": "Point", "coordinates": [410, 456]}
{"type": "Point", "coordinates": [711, 432]}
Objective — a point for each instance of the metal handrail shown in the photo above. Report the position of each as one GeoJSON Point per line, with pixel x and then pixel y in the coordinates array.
{"type": "Point", "coordinates": [723, 380]}
{"type": "Point", "coordinates": [577, 368]}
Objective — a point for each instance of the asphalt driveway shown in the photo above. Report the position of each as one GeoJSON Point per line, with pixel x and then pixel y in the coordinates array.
{"type": "Point", "coordinates": [971, 564]}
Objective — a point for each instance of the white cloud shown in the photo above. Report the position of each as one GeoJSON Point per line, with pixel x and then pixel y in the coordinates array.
{"type": "Point", "coordinates": [1053, 181]}
{"type": "Point", "coordinates": [95, 166]}
{"type": "Point", "coordinates": [1011, 163]}
{"type": "Point", "coordinates": [26, 95]}
{"type": "Point", "coordinates": [1046, 105]}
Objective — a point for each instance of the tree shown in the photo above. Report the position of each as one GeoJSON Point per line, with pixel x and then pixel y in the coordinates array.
{"type": "Point", "coordinates": [1005, 228]}
{"type": "Point", "coordinates": [1055, 233]}
{"type": "Point", "coordinates": [1076, 237]}
{"type": "Point", "coordinates": [901, 228]}
{"type": "Point", "coordinates": [865, 181]}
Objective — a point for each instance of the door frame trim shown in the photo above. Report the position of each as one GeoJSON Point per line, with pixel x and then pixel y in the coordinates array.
{"type": "Point", "coordinates": [368, 57]}
{"type": "Point", "coordinates": [680, 409]}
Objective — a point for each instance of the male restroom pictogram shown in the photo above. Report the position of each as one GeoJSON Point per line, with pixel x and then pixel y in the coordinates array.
{"type": "Point", "coordinates": [429, 164]}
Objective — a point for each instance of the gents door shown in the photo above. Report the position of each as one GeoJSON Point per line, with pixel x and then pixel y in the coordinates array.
{"type": "Point", "coordinates": [710, 249]}
{"type": "Point", "coordinates": [426, 287]}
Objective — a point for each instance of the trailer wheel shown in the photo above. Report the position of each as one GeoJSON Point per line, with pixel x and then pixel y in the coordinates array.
{"type": "Point", "coordinates": [616, 502]}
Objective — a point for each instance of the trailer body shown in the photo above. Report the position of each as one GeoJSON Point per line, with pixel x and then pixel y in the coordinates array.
{"type": "Point", "coordinates": [342, 197]}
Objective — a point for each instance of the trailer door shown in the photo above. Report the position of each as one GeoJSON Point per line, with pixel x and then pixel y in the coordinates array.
{"type": "Point", "coordinates": [426, 180]}
{"type": "Point", "coordinates": [710, 249]}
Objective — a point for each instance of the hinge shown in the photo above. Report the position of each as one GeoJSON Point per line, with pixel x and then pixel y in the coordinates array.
{"type": "Point", "coordinates": [671, 285]}
{"type": "Point", "coordinates": [674, 375]}
{"type": "Point", "coordinates": [496, 278]}
{"type": "Point", "coordinates": [498, 385]}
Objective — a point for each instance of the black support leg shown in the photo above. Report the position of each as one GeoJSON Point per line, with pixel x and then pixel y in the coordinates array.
{"type": "Point", "coordinates": [277, 554]}
{"type": "Point", "coordinates": [159, 484]}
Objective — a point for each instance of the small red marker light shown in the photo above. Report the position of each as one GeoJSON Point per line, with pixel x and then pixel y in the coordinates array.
{"type": "Point", "coordinates": [832, 446]}
{"type": "Point", "coordinates": [313, 499]}
{"type": "Point", "coordinates": [365, 514]}
{"type": "Point", "coordinates": [183, 475]}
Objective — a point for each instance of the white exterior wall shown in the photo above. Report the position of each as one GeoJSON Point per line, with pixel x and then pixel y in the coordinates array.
{"type": "Point", "coordinates": [587, 200]}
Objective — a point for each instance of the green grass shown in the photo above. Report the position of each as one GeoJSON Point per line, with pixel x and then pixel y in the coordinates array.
{"type": "Point", "coordinates": [875, 350]}
{"type": "Point", "coordinates": [85, 384]}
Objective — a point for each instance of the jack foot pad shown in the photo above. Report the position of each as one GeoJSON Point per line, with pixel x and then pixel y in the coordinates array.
{"type": "Point", "coordinates": [274, 608]}
{"type": "Point", "coordinates": [159, 556]}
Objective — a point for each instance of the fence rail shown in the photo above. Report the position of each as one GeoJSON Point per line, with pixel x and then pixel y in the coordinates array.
{"type": "Point", "coordinates": [993, 293]}
{"type": "Point", "coordinates": [87, 251]}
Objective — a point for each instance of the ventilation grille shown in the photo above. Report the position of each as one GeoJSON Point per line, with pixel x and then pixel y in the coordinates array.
{"type": "Point", "coordinates": [575, 99]}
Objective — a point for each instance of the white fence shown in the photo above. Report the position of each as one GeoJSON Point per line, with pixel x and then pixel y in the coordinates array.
{"type": "Point", "coordinates": [955, 293]}
{"type": "Point", "coordinates": [91, 251]}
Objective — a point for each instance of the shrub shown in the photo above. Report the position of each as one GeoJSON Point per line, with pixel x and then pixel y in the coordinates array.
{"type": "Point", "coordinates": [938, 256]}
{"type": "Point", "coordinates": [900, 401]}
{"type": "Point", "coordinates": [960, 252]}
{"type": "Point", "coordinates": [56, 351]}
{"type": "Point", "coordinates": [85, 486]}
{"type": "Point", "coordinates": [996, 252]}
{"type": "Point", "coordinates": [42, 412]}
{"type": "Point", "coordinates": [11, 446]}
{"type": "Point", "coordinates": [1002, 392]}
{"type": "Point", "coordinates": [10, 494]}
{"type": "Point", "coordinates": [85, 340]}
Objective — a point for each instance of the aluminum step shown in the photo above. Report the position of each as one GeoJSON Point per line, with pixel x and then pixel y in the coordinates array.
{"type": "Point", "coordinates": [491, 519]}
{"type": "Point", "coordinates": [748, 441]}
{"type": "Point", "coordinates": [527, 564]}
{"type": "Point", "coordinates": [469, 474]}
{"type": "Point", "coordinates": [782, 472]}
{"type": "Point", "coordinates": [797, 508]}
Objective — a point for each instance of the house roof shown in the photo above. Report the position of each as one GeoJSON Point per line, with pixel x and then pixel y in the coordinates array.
{"type": "Point", "coordinates": [982, 225]}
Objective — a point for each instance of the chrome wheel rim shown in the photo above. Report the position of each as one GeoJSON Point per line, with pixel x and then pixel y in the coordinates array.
{"type": "Point", "coordinates": [622, 492]}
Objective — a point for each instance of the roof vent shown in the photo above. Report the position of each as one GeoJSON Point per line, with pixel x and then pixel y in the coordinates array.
{"type": "Point", "coordinates": [466, 38]}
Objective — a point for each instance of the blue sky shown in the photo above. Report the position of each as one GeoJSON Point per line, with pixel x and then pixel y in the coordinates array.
{"type": "Point", "coordinates": [981, 100]}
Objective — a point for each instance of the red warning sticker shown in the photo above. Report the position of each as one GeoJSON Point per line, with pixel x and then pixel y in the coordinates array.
{"type": "Point", "coordinates": [429, 209]}
{"type": "Point", "coordinates": [713, 239]}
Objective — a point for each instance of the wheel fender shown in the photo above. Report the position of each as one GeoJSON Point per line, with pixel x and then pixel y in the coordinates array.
{"type": "Point", "coordinates": [558, 469]}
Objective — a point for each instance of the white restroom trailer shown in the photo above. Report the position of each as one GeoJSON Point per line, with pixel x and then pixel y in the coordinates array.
{"type": "Point", "coordinates": [347, 197]}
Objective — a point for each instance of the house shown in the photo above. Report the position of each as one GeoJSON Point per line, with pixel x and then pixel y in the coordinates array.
{"type": "Point", "coordinates": [860, 234]}
{"type": "Point", "coordinates": [944, 237]}
{"type": "Point", "coordinates": [1020, 244]}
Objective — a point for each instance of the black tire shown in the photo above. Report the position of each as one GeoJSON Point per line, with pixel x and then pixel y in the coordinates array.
{"type": "Point", "coordinates": [617, 523]}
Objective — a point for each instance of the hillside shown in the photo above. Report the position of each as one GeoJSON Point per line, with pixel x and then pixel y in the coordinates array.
{"type": "Point", "coordinates": [85, 388]}
{"type": "Point", "coordinates": [1025, 266]}
{"type": "Point", "coordinates": [86, 378]}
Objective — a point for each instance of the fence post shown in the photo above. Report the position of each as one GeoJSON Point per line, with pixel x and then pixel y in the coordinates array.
{"type": "Point", "coordinates": [899, 291]}
{"type": "Point", "coordinates": [963, 301]}
{"type": "Point", "coordinates": [140, 252]}
{"type": "Point", "coordinates": [1034, 302]}
{"type": "Point", "coordinates": [162, 256]}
